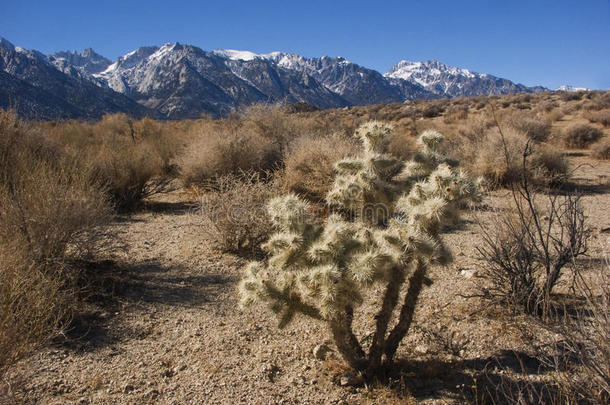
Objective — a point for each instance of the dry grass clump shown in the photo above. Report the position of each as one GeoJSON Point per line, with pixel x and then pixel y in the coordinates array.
{"type": "Point", "coordinates": [309, 165]}
{"type": "Point", "coordinates": [486, 157]}
{"type": "Point", "coordinates": [581, 136]}
{"type": "Point", "coordinates": [601, 150]}
{"type": "Point", "coordinates": [235, 214]}
{"type": "Point", "coordinates": [51, 214]}
{"type": "Point", "coordinates": [599, 117]}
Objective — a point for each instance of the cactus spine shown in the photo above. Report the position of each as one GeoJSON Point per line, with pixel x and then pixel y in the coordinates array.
{"type": "Point", "coordinates": [385, 228]}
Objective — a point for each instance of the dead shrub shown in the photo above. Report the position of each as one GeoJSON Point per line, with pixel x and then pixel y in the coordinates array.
{"type": "Point", "coordinates": [432, 109]}
{"type": "Point", "coordinates": [234, 214]}
{"type": "Point", "coordinates": [584, 344]}
{"type": "Point", "coordinates": [535, 128]}
{"type": "Point", "coordinates": [571, 95]}
{"type": "Point", "coordinates": [498, 157]}
{"type": "Point", "coordinates": [525, 251]}
{"type": "Point", "coordinates": [601, 150]}
{"type": "Point", "coordinates": [598, 117]}
{"type": "Point", "coordinates": [51, 214]}
{"type": "Point", "coordinates": [456, 113]}
{"type": "Point", "coordinates": [581, 136]}
{"type": "Point", "coordinates": [227, 151]}
{"type": "Point", "coordinates": [309, 165]}
{"type": "Point", "coordinates": [131, 159]}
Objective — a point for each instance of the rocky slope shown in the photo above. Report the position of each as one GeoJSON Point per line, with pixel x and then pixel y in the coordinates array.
{"type": "Point", "coordinates": [179, 81]}
{"type": "Point", "coordinates": [36, 89]}
{"type": "Point", "coordinates": [449, 81]}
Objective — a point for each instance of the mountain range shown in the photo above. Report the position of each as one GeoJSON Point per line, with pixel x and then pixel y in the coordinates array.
{"type": "Point", "coordinates": [176, 81]}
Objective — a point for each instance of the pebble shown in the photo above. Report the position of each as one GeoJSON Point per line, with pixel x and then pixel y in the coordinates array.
{"type": "Point", "coordinates": [350, 380]}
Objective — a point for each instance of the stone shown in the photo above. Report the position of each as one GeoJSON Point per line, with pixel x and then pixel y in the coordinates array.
{"type": "Point", "coordinates": [350, 380]}
{"type": "Point", "coordinates": [468, 273]}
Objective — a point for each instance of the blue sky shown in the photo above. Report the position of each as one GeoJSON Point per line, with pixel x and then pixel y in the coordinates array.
{"type": "Point", "coordinates": [532, 42]}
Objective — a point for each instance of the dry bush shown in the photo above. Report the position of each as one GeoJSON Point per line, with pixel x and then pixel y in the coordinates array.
{"type": "Point", "coordinates": [309, 165]}
{"type": "Point", "coordinates": [432, 109]}
{"type": "Point", "coordinates": [498, 157]}
{"type": "Point", "coordinates": [525, 251]}
{"type": "Point", "coordinates": [224, 151]}
{"type": "Point", "coordinates": [401, 144]}
{"type": "Point", "coordinates": [547, 105]}
{"type": "Point", "coordinates": [535, 128]}
{"type": "Point", "coordinates": [601, 149]}
{"type": "Point", "coordinates": [234, 213]}
{"type": "Point", "coordinates": [581, 136]}
{"type": "Point", "coordinates": [584, 345]}
{"type": "Point", "coordinates": [571, 96]}
{"type": "Point", "coordinates": [51, 214]}
{"type": "Point", "coordinates": [456, 113]}
{"type": "Point", "coordinates": [597, 101]}
{"type": "Point", "coordinates": [599, 117]}
{"type": "Point", "coordinates": [275, 124]}
{"type": "Point", "coordinates": [132, 159]}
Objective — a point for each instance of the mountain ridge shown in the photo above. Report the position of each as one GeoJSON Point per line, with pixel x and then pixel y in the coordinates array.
{"type": "Point", "coordinates": [178, 81]}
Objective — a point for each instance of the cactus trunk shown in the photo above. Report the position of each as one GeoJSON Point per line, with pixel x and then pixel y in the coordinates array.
{"type": "Point", "coordinates": [416, 283]}
{"type": "Point", "coordinates": [390, 300]}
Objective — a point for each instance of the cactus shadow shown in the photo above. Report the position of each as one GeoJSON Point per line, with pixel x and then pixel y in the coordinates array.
{"type": "Point", "coordinates": [489, 379]}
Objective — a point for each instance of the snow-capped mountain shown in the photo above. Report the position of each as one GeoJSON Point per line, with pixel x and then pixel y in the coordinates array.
{"type": "Point", "coordinates": [568, 88]}
{"type": "Point", "coordinates": [182, 81]}
{"type": "Point", "coordinates": [87, 62]}
{"type": "Point", "coordinates": [449, 81]}
{"type": "Point", "coordinates": [37, 89]}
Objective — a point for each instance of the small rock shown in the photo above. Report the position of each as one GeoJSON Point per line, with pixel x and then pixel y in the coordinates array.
{"type": "Point", "coordinates": [320, 351]}
{"type": "Point", "coordinates": [423, 349]}
{"type": "Point", "coordinates": [468, 273]}
{"type": "Point", "coordinates": [350, 380]}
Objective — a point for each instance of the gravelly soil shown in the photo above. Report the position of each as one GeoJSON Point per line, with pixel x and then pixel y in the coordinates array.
{"type": "Point", "coordinates": [173, 333]}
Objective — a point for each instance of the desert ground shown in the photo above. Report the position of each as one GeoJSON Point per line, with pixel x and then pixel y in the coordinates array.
{"type": "Point", "coordinates": [161, 321]}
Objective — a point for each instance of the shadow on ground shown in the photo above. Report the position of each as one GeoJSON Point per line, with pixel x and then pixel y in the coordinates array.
{"type": "Point", "coordinates": [499, 379]}
{"type": "Point", "coordinates": [108, 286]}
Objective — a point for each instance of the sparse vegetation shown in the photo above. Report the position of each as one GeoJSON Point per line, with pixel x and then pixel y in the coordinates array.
{"type": "Point", "coordinates": [370, 227]}
{"type": "Point", "coordinates": [51, 214]}
{"type": "Point", "coordinates": [234, 212]}
{"type": "Point", "coordinates": [601, 149]}
{"type": "Point", "coordinates": [581, 136]}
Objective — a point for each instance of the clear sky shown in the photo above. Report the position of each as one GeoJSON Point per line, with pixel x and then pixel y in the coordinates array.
{"type": "Point", "coordinates": [531, 42]}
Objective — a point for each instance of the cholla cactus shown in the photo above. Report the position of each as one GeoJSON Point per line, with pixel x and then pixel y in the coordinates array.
{"type": "Point", "coordinates": [323, 271]}
{"type": "Point", "coordinates": [365, 185]}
